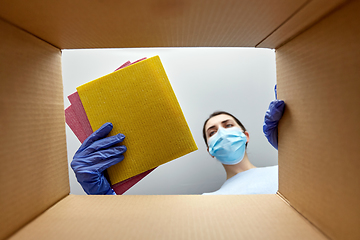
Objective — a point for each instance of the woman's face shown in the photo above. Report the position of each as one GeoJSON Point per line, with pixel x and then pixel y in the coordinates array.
{"type": "Point", "coordinates": [222, 120]}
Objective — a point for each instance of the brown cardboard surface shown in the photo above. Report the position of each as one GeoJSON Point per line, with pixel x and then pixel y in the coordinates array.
{"type": "Point", "coordinates": [151, 23]}
{"type": "Point", "coordinates": [318, 78]}
{"type": "Point", "coordinates": [33, 164]}
{"type": "Point", "coordinates": [311, 12]}
{"type": "Point", "coordinates": [170, 217]}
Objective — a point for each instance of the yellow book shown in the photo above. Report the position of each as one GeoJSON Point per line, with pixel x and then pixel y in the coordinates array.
{"type": "Point", "coordinates": [140, 103]}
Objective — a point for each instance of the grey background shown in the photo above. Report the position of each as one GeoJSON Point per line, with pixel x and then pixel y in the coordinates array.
{"type": "Point", "coordinates": [237, 80]}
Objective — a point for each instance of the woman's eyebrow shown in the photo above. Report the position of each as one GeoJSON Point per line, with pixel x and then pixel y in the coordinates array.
{"type": "Point", "coordinates": [221, 122]}
{"type": "Point", "coordinates": [210, 128]}
{"type": "Point", "coordinates": [226, 120]}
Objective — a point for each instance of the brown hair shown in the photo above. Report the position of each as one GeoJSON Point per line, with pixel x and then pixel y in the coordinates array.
{"type": "Point", "coordinates": [218, 113]}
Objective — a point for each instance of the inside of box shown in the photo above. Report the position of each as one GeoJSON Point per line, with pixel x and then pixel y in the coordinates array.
{"type": "Point", "coordinates": [159, 23]}
{"type": "Point", "coordinates": [317, 77]}
{"type": "Point", "coordinates": [34, 174]}
{"type": "Point", "coordinates": [171, 217]}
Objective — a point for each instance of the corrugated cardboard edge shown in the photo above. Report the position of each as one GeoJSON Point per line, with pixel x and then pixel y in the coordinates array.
{"type": "Point", "coordinates": [34, 175]}
{"type": "Point", "coordinates": [318, 78]}
{"type": "Point", "coordinates": [26, 31]}
{"type": "Point", "coordinates": [175, 217]}
{"type": "Point", "coordinates": [186, 23]}
{"type": "Point", "coordinates": [310, 13]}
{"type": "Point", "coordinates": [287, 202]}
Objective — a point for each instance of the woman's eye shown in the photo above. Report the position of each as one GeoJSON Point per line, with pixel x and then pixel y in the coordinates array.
{"type": "Point", "coordinates": [211, 133]}
{"type": "Point", "coordinates": [229, 125]}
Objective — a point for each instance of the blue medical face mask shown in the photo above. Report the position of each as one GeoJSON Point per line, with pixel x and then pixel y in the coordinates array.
{"type": "Point", "coordinates": [228, 145]}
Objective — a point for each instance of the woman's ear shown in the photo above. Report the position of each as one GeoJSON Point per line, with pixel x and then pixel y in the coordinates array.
{"type": "Point", "coordinates": [209, 152]}
{"type": "Point", "coordinates": [247, 136]}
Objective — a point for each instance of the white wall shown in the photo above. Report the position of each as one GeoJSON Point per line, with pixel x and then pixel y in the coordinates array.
{"type": "Point", "coordinates": [237, 80]}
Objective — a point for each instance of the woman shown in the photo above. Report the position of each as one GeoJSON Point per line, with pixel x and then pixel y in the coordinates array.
{"type": "Point", "coordinates": [98, 153]}
{"type": "Point", "coordinates": [226, 139]}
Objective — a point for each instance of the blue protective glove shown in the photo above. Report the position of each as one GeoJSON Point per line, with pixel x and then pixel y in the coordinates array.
{"type": "Point", "coordinates": [271, 121]}
{"type": "Point", "coordinates": [94, 156]}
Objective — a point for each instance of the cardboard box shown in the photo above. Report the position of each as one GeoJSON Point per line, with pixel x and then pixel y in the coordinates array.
{"type": "Point", "coordinates": [318, 77]}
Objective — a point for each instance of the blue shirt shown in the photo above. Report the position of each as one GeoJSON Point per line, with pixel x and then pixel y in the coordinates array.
{"type": "Point", "coordinates": [262, 180]}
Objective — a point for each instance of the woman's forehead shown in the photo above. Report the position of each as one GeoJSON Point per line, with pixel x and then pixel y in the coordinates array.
{"type": "Point", "coordinates": [216, 120]}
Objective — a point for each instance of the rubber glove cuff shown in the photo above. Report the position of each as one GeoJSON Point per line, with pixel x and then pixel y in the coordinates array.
{"type": "Point", "coordinates": [271, 121]}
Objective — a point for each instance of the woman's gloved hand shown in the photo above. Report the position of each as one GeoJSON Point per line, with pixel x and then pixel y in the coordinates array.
{"type": "Point", "coordinates": [94, 156]}
{"type": "Point", "coordinates": [271, 121]}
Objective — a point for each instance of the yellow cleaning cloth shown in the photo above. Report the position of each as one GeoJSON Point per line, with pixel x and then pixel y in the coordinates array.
{"type": "Point", "coordinates": [140, 103]}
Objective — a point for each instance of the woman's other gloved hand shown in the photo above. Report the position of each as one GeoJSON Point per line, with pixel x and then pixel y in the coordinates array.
{"type": "Point", "coordinates": [271, 121]}
{"type": "Point", "coordinates": [94, 156]}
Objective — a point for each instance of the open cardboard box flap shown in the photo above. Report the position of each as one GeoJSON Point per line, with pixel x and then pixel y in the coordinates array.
{"type": "Point", "coordinates": [171, 217]}
{"type": "Point", "coordinates": [318, 77]}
